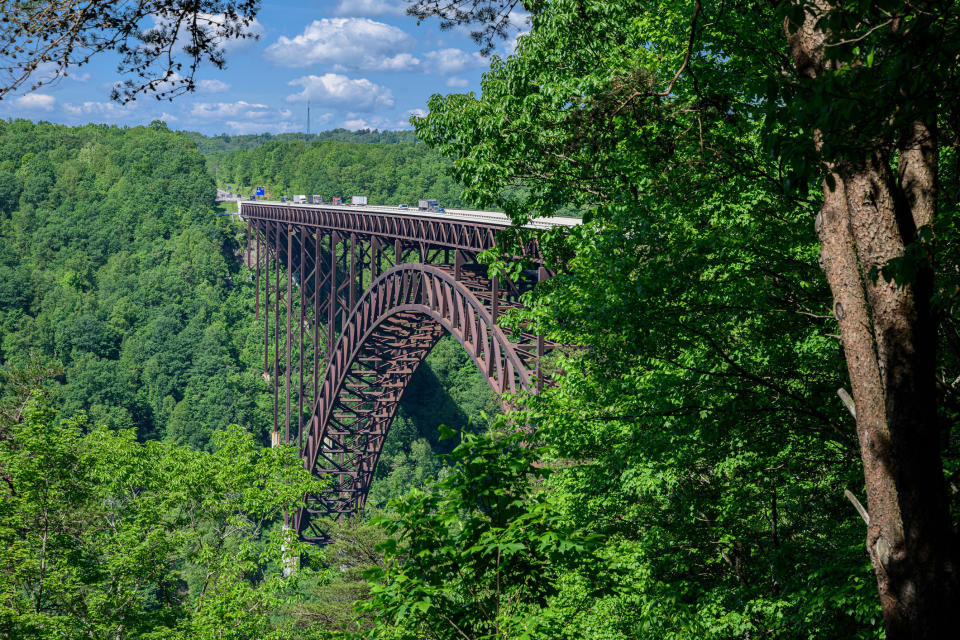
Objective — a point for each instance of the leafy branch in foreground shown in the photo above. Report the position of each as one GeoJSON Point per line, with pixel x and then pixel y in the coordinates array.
{"type": "Point", "coordinates": [479, 555]}
{"type": "Point", "coordinates": [42, 42]}
{"type": "Point", "coordinates": [103, 536]}
{"type": "Point", "coordinates": [493, 17]}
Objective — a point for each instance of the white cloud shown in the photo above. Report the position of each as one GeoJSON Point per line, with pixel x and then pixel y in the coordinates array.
{"type": "Point", "coordinates": [346, 43]}
{"type": "Point", "coordinates": [239, 110]}
{"type": "Point", "coordinates": [48, 72]}
{"type": "Point", "coordinates": [455, 82]}
{"type": "Point", "coordinates": [108, 110]}
{"type": "Point", "coordinates": [36, 101]}
{"type": "Point", "coordinates": [520, 18]}
{"type": "Point", "coordinates": [241, 127]}
{"type": "Point", "coordinates": [399, 62]}
{"type": "Point", "coordinates": [356, 121]}
{"type": "Point", "coordinates": [369, 8]}
{"type": "Point", "coordinates": [404, 123]}
{"type": "Point", "coordinates": [242, 117]}
{"type": "Point", "coordinates": [335, 90]}
{"type": "Point", "coordinates": [319, 120]}
{"type": "Point", "coordinates": [510, 47]}
{"type": "Point", "coordinates": [447, 61]}
{"type": "Point", "coordinates": [212, 86]}
{"type": "Point", "coordinates": [168, 117]}
{"type": "Point", "coordinates": [210, 22]}
{"type": "Point", "coordinates": [175, 80]}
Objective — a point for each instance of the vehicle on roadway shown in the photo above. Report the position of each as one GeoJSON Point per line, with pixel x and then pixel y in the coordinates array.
{"type": "Point", "coordinates": [337, 201]}
{"type": "Point", "coordinates": [403, 206]}
{"type": "Point", "coordinates": [299, 199]}
{"type": "Point", "coordinates": [359, 200]}
{"type": "Point", "coordinates": [428, 205]}
{"type": "Point", "coordinates": [253, 197]}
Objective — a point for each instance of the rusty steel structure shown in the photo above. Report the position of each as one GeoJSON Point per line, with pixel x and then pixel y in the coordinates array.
{"type": "Point", "coordinates": [352, 300]}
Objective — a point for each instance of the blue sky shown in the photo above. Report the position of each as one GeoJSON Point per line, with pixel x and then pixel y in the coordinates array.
{"type": "Point", "coordinates": [361, 63]}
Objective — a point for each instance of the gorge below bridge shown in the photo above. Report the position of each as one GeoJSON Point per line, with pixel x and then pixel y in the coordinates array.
{"type": "Point", "coordinates": [353, 298]}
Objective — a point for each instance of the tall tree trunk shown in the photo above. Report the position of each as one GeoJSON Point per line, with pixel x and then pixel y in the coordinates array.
{"type": "Point", "coordinates": [889, 339]}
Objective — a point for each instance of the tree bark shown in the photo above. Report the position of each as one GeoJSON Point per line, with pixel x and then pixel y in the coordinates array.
{"type": "Point", "coordinates": [888, 334]}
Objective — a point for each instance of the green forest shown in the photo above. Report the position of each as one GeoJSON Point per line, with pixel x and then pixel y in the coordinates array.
{"type": "Point", "coordinates": [387, 173]}
{"type": "Point", "coordinates": [128, 335]}
{"type": "Point", "coordinates": [749, 431]}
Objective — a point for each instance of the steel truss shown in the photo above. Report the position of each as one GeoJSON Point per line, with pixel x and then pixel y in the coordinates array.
{"type": "Point", "coordinates": [351, 304]}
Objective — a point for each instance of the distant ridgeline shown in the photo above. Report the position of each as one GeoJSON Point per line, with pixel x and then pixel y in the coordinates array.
{"type": "Point", "coordinates": [389, 167]}
{"type": "Point", "coordinates": [224, 143]}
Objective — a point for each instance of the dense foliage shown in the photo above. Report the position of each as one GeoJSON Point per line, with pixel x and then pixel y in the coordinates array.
{"type": "Point", "coordinates": [697, 428]}
{"type": "Point", "coordinates": [116, 265]}
{"type": "Point", "coordinates": [103, 536]}
{"type": "Point", "coordinates": [690, 472]}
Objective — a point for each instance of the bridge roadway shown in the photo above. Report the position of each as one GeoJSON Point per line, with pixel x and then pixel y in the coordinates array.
{"type": "Point", "coordinates": [368, 292]}
{"type": "Point", "coordinates": [496, 218]}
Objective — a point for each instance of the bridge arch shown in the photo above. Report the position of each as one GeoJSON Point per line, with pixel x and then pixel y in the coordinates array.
{"type": "Point", "coordinates": [352, 300]}
{"type": "Point", "coordinates": [394, 325]}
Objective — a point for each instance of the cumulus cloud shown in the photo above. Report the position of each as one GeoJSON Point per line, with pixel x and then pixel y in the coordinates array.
{"type": "Point", "coordinates": [48, 72]}
{"type": "Point", "coordinates": [239, 110]}
{"type": "Point", "coordinates": [346, 44]}
{"type": "Point", "coordinates": [210, 22]}
{"type": "Point", "coordinates": [243, 117]}
{"type": "Point", "coordinates": [369, 8]}
{"type": "Point", "coordinates": [319, 120]}
{"type": "Point", "coordinates": [355, 121]}
{"type": "Point", "coordinates": [335, 90]}
{"type": "Point", "coordinates": [35, 101]}
{"type": "Point", "coordinates": [455, 82]}
{"type": "Point", "coordinates": [241, 127]}
{"type": "Point", "coordinates": [447, 61]}
{"type": "Point", "coordinates": [355, 124]}
{"type": "Point", "coordinates": [168, 117]}
{"type": "Point", "coordinates": [212, 86]}
{"type": "Point", "coordinates": [107, 110]}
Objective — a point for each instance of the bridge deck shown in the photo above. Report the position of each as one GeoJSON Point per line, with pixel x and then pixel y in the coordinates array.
{"type": "Point", "coordinates": [493, 218]}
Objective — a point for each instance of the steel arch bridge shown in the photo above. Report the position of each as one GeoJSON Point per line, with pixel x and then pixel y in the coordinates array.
{"type": "Point", "coordinates": [352, 300]}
